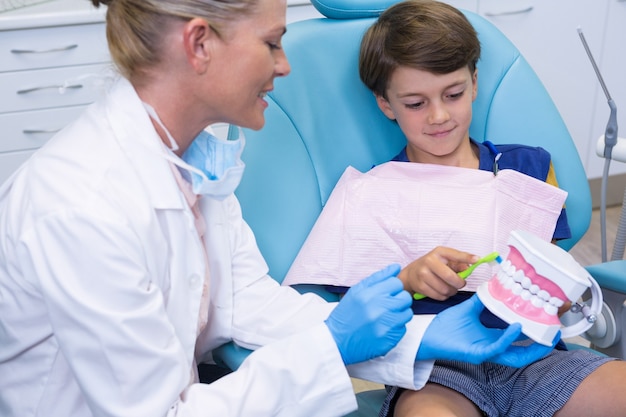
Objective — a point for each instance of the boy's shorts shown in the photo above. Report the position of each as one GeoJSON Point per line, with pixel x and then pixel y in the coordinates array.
{"type": "Point", "coordinates": [539, 389]}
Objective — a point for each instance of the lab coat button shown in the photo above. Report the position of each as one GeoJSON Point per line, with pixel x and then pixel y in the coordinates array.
{"type": "Point", "coordinates": [194, 281]}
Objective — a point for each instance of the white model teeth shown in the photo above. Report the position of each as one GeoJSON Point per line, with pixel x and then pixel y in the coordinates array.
{"type": "Point", "coordinates": [550, 309]}
{"type": "Point", "coordinates": [537, 302]}
{"type": "Point", "coordinates": [508, 283]}
{"type": "Point", "coordinates": [534, 289]}
{"type": "Point", "coordinates": [519, 284]}
{"type": "Point", "coordinates": [556, 301]}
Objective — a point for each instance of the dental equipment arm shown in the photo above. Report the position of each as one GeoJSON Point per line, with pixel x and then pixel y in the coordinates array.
{"type": "Point", "coordinates": [610, 140]}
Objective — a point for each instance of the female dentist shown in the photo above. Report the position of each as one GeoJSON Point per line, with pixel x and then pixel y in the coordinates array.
{"type": "Point", "coordinates": [124, 259]}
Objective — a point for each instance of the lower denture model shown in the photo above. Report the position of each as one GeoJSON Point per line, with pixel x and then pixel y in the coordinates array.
{"type": "Point", "coordinates": [534, 280]}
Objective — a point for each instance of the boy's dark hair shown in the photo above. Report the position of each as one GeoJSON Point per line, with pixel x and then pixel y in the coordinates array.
{"type": "Point", "coordinates": [424, 34]}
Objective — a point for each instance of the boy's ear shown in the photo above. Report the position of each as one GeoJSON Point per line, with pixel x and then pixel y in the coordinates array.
{"type": "Point", "coordinates": [384, 106]}
{"type": "Point", "coordinates": [197, 38]}
{"type": "Point", "coordinates": [475, 84]}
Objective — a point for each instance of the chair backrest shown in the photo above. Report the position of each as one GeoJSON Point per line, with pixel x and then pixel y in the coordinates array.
{"type": "Point", "coordinates": [321, 119]}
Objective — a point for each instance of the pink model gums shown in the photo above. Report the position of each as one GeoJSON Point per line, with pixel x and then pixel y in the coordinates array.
{"type": "Point", "coordinates": [533, 282]}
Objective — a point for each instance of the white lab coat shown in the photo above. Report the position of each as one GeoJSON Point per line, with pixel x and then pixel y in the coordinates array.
{"type": "Point", "coordinates": [100, 284]}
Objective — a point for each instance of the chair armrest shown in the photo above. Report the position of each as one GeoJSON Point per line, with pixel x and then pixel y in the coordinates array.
{"type": "Point", "coordinates": [610, 275]}
{"type": "Point", "coordinates": [369, 403]}
{"type": "Point", "coordinates": [576, 346]}
{"type": "Point", "coordinates": [230, 355]}
{"type": "Point", "coordinates": [317, 289]}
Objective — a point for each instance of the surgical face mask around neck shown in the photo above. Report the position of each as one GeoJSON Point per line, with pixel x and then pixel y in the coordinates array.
{"type": "Point", "coordinates": [212, 166]}
{"type": "Point", "coordinates": [153, 114]}
{"type": "Point", "coordinates": [218, 165]}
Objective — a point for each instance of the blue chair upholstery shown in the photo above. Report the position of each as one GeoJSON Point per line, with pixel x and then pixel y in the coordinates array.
{"type": "Point", "coordinates": [322, 119]}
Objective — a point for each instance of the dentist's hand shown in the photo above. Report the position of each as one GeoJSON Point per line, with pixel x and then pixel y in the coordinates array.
{"type": "Point", "coordinates": [457, 333]}
{"type": "Point", "coordinates": [371, 318]}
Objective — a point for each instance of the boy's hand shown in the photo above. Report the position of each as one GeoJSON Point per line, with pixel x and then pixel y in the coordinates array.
{"type": "Point", "coordinates": [435, 274]}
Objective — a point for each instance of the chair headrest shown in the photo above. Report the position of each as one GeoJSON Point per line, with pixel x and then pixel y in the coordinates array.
{"type": "Point", "coordinates": [351, 9]}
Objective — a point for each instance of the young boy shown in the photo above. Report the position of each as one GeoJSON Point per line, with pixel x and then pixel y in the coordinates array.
{"type": "Point", "coordinates": [419, 59]}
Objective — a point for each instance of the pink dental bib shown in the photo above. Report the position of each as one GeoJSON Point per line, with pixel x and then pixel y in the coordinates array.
{"type": "Point", "coordinates": [399, 211]}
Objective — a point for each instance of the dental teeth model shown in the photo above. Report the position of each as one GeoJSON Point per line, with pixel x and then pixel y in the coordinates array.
{"type": "Point", "coordinates": [533, 282]}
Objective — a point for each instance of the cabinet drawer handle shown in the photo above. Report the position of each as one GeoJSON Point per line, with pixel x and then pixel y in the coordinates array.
{"type": "Point", "coordinates": [35, 131]}
{"type": "Point", "coordinates": [508, 12]}
{"type": "Point", "coordinates": [43, 51]}
{"type": "Point", "coordinates": [61, 88]}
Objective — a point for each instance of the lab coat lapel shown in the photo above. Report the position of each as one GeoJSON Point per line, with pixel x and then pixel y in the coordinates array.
{"type": "Point", "coordinates": [186, 269]}
{"type": "Point", "coordinates": [140, 142]}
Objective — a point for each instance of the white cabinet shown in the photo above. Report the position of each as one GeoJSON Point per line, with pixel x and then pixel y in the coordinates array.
{"type": "Point", "coordinates": [53, 57]}
{"type": "Point", "coordinates": [471, 5]}
{"type": "Point", "coordinates": [301, 10]}
{"type": "Point", "coordinates": [545, 31]}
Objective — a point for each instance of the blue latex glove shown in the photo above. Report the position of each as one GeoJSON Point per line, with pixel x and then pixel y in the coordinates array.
{"type": "Point", "coordinates": [457, 334]}
{"type": "Point", "coordinates": [371, 318]}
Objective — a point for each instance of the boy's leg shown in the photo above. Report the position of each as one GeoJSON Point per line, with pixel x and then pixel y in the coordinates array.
{"type": "Point", "coordinates": [435, 400]}
{"type": "Point", "coordinates": [599, 394]}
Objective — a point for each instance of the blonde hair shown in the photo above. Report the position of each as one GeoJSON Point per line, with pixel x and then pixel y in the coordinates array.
{"type": "Point", "coordinates": [135, 28]}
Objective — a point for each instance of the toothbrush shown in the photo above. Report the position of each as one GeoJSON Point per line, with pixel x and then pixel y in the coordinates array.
{"type": "Point", "coordinates": [493, 256]}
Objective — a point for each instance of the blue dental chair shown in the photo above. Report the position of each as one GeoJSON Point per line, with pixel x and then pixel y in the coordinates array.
{"type": "Point", "coordinates": [322, 119]}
